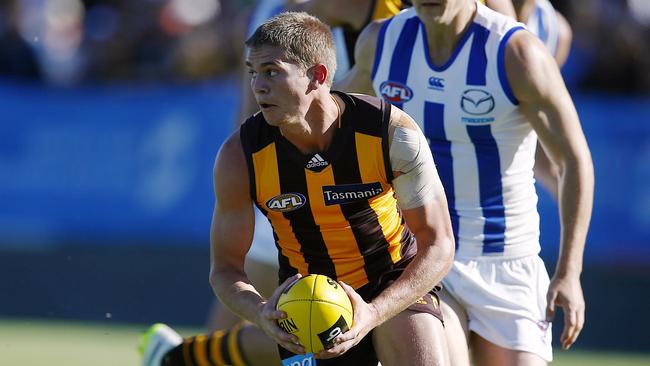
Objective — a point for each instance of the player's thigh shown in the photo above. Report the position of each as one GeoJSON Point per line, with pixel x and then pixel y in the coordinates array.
{"type": "Point", "coordinates": [411, 338]}
{"type": "Point", "coordinates": [455, 329]}
{"type": "Point", "coordinates": [485, 353]}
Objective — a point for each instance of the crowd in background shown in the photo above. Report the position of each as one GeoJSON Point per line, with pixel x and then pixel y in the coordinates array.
{"type": "Point", "coordinates": [73, 42]}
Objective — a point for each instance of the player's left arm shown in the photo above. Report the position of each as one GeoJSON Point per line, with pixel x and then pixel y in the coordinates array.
{"type": "Point", "coordinates": [544, 100]}
{"type": "Point", "coordinates": [545, 171]}
{"type": "Point", "coordinates": [422, 200]}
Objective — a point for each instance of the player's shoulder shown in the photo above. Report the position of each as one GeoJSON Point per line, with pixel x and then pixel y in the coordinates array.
{"type": "Point", "coordinates": [254, 128]}
{"type": "Point", "coordinates": [360, 100]}
{"type": "Point", "coordinates": [495, 22]}
{"type": "Point", "coordinates": [231, 149]}
{"type": "Point", "coordinates": [525, 48]}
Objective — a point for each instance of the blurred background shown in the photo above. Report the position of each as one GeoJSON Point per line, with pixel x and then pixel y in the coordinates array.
{"type": "Point", "coordinates": [111, 113]}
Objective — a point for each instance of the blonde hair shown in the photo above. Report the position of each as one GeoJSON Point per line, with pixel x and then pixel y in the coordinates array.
{"type": "Point", "coordinates": [304, 39]}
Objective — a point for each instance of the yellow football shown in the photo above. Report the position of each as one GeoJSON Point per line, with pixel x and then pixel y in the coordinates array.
{"type": "Point", "coordinates": [318, 310]}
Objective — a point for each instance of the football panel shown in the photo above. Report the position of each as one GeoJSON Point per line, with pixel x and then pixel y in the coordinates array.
{"type": "Point", "coordinates": [301, 289]}
{"type": "Point", "coordinates": [328, 320]}
{"type": "Point", "coordinates": [329, 290]}
{"type": "Point", "coordinates": [297, 321]}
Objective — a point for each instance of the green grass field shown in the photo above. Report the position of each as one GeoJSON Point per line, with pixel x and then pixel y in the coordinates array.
{"type": "Point", "coordinates": [52, 343]}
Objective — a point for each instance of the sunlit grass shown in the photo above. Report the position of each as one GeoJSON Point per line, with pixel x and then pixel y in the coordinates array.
{"type": "Point", "coordinates": [69, 343]}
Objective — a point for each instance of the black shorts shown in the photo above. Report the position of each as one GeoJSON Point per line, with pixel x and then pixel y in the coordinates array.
{"type": "Point", "coordinates": [364, 353]}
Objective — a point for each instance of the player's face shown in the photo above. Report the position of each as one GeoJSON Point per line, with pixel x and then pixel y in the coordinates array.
{"type": "Point", "coordinates": [280, 86]}
{"type": "Point", "coordinates": [434, 10]}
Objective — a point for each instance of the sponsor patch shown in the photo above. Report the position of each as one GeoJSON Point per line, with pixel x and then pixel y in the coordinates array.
{"type": "Point", "coordinates": [286, 202]}
{"type": "Point", "coordinates": [477, 102]}
{"type": "Point", "coordinates": [347, 193]}
{"type": "Point", "coordinates": [436, 83]}
{"type": "Point", "coordinates": [395, 92]}
{"type": "Point", "coordinates": [288, 325]}
{"type": "Point", "coordinates": [300, 360]}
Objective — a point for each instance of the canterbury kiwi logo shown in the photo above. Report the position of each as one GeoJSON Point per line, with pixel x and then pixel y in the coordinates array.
{"type": "Point", "coordinates": [286, 202]}
{"type": "Point", "coordinates": [477, 102]}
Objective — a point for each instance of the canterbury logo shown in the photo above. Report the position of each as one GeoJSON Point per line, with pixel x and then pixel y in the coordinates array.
{"type": "Point", "coordinates": [317, 161]}
{"type": "Point", "coordinates": [286, 202]}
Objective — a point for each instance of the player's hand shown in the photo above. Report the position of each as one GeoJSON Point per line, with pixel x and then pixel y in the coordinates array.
{"type": "Point", "coordinates": [364, 321]}
{"type": "Point", "coordinates": [566, 292]}
{"type": "Point", "coordinates": [268, 320]}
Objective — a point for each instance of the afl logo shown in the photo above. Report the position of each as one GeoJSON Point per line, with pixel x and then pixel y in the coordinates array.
{"type": "Point", "coordinates": [286, 202]}
{"type": "Point", "coordinates": [395, 92]}
{"type": "Point", "coordinates": [477, 102]}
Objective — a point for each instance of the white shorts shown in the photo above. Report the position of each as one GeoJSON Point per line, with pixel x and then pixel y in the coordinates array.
{"type": "Point", "coordinates": [505, 301]}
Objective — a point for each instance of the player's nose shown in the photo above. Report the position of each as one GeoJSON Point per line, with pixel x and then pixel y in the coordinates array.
{"type": "Point", "coordinates": [259, 86]}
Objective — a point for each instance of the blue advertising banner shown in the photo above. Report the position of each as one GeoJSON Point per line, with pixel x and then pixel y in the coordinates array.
{"type": "Point", "coordinates": [618, 134]}
{"type": "Point", "coordinates": [110, 165]}
{"type": "Point", "coordinates": [117, 165]}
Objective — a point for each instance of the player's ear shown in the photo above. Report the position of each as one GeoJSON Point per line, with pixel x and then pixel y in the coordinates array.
{"type": "Point", "coordinates": [318, 74]}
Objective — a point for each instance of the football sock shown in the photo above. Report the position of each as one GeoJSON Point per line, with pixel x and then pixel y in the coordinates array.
{"type": "Point", "coordinates": [220, 348]}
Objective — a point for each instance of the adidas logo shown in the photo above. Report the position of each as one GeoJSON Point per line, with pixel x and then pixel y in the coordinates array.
{"type": "Point", "coordinates": [317, 161]}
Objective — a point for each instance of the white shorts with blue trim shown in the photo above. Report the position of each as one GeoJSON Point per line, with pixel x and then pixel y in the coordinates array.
{"type": "Point", "coordinates": [505, 301]}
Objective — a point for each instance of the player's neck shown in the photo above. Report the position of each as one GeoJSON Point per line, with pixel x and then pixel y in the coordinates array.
{"type": "Point", "coordinates": [443, 36]}
{"type": "Point", "coordinates": [524, 9]}
{"type": "Point", "coordinates": [315, 131]}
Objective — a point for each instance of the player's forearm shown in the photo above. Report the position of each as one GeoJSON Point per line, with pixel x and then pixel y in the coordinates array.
{"type": "Point", "coordinates": [576, 192]}
{"type": "Point", "coordinates": [424, 272]}
{"type": "Point", "coordinates": [235, 290]}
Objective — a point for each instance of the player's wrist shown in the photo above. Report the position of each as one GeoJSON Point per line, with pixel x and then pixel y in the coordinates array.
{"type": "Point", "coordinates": [566, 276]}
{"type": "Point", "coordinates": [375, 315]}
{"type": "Point", "coordinates": [259, 315]}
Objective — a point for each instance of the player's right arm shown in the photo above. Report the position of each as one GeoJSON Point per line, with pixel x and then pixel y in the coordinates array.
{"type": "Point", "coordinates": [358, 79]}
{"type": "Point", "coordinates": [422, 201]}
{"type": "Point", "coordinates": [231, 235]}
{"type": "Point", "coordinates": [546, 172]}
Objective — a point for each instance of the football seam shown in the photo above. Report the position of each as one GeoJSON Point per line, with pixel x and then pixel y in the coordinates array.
{"type": "Point", "coordinates": [325, 301]}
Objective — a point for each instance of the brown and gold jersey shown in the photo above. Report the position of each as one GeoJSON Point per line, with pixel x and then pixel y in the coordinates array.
{"type": "Point", "coordinates": [332, 212]}
{"type": "Point", "coordinates": [387, 8]}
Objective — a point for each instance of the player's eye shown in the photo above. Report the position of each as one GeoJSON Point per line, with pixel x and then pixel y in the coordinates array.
{"type": "Point", "coordinates": [272, 72]}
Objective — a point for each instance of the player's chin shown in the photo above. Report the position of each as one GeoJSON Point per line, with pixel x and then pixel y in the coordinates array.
{"type": "Point", "coordinates": [272, 117]}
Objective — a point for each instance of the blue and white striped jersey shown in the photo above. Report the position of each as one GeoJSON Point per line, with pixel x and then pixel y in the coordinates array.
{"type": "Point", "coordinates": [483, 147]}
{"type": "Point", "coordinates": [543, 22]}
